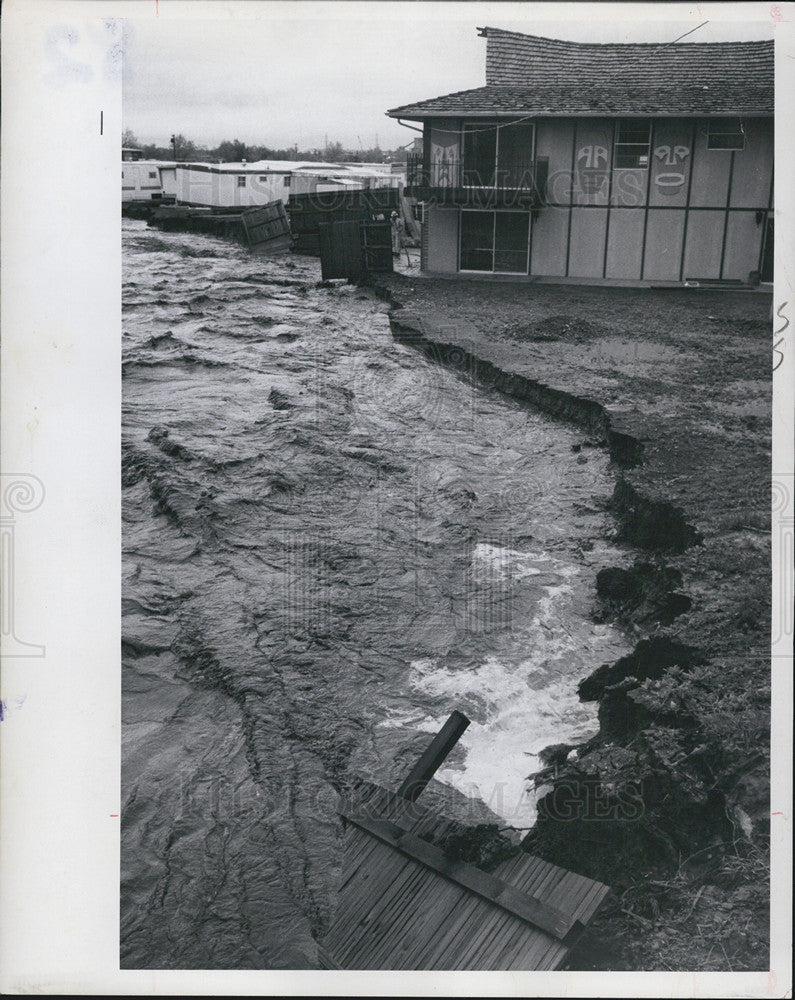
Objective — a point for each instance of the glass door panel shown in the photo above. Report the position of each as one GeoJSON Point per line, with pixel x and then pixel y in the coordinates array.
{"type": "Point", "coordinates": [511, 233]}
{"type": "Point", "coordinates": [477, 241]}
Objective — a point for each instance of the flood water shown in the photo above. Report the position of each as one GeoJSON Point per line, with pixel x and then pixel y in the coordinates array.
{"type": "Point", "coordinates": [329, 544]}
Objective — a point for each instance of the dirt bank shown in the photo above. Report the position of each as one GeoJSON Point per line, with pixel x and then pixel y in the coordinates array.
{"type": "Point", "coordinates": [669, 802]}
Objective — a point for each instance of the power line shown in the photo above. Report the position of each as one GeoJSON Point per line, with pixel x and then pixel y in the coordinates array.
{"type": "Point", "coordinates": [487, 128]}
{"type": "Point", "coordinates": [679, 39]}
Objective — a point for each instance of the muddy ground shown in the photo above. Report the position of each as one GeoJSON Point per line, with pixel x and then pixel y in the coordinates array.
{"type": "Point", "coordinates": [669, 803]}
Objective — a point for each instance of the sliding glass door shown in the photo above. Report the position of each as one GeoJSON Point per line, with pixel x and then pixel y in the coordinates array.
{"type": "Point", "coordinates": [495, 242]}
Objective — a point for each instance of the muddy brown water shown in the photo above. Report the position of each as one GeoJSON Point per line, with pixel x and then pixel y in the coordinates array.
{"type": "Point", "coordinates": [329, 544]}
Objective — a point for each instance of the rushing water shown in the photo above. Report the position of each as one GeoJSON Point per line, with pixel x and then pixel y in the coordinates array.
{"type": "Point", "coordinates": [329, 544]}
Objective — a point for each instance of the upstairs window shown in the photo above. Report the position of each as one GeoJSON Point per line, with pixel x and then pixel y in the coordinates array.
{"type": "Point", "coordinates": [498, 154]}
{"type": "Point", "coordinates": [726, 133]}
{"type": "Point", "coordinates": [286, 180]}
{"type": "Point", "coordinates": [480, 154]}
{"type": "Point", "coordinates": [241, 182]}
{"type": "Point", "coordinates": [633, 138]}
{"type": "Point", "coordinates": [153, 175]}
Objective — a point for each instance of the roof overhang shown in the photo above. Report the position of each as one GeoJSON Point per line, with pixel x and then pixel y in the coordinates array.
{"type": "Point", "coordinates": [524, 113]}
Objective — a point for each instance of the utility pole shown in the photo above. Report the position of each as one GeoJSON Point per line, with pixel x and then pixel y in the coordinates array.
{"type": "Point", "coordinates": [174, 144]}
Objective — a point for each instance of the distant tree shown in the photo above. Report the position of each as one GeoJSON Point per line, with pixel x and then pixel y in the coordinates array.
{"type": "Point", "coordinates": [232, 152]}
{"type": "Point", "coordinates": [129, 138]}
{"type": "Point", "coordinates": [334, 152]}
{"type": "Point", "coordinates": [372, 155]}
{"type": "Point", "coordinates": [182, 148]}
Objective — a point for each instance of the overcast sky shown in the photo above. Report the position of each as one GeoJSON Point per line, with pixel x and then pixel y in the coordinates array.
{"type": "Point", "coordinates": [278, 73]}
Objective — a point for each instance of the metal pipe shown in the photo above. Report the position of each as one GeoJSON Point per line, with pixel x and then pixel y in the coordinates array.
{"type": "Point", "coordinates": [430, 761]}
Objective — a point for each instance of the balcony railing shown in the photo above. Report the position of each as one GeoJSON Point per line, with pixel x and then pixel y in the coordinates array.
{"type": "Point", "coordinates": [451, 181]}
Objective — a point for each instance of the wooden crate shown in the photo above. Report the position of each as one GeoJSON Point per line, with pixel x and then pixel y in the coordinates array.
{"type": "Point", "coordinates": [353, 249]}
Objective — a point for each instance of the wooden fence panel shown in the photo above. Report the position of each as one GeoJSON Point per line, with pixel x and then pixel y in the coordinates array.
{"type": "Point", "coordinates": [403, 904]}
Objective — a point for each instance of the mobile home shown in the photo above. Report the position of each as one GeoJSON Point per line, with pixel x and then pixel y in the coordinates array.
{"type": "Point", "coordinates": [141, 180]}
{"type": "Point", "coordinates": [237, 185]}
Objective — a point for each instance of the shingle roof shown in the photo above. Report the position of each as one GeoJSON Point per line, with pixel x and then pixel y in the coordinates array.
{"type": "Point", "coordinates": [546, 76]}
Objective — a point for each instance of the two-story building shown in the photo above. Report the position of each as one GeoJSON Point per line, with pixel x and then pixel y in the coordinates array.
{"type": "Point", "coordinates": [601, 162]}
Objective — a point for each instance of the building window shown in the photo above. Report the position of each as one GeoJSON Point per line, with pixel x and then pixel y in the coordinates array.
{"type": "Point", "coordinates": [633, 138]}
{"type": "Point", "coordinates": [726, 133]}
{"type": "Point", "coordinates": [264, 178]}
{"type": "Point", "coordinates": [153, 175]}
{"type": "Point", "coordinates": [286, 180]}
{"type": "Point", "coordinates": [498, 155]}
{"type": "Point", "coordinates": [494, 241]}
{"type": "Point", "coordinates": [241, 182]}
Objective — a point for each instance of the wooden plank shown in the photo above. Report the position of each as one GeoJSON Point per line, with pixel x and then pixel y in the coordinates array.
{"type": "Point", "coordinates": [504, 943]}
{"type": "Point", "coordinates": [571, 890]}
{"type": "Point", "coordinates": [404, 926]}
{"type": "Point", "coordinates": [348, 951]}
{"type": "Point", "coordinates": [537, 954]}
{"type": "Point", "coordinates": [580, 896]}
{"type": "Point", "coordinates": [526, 907]}
{"type": "Point", "coordinates": [448, 900]}
{"type": "Point", "coordinates": [542, 885]}
{"type": "Point", "coordinates": [489, 937]}
{"type": "Point", "coordinates": [358, 844]}
{"type": "Point", "coordinates": [359, 899]}
{"type": "Point", "coordinates": [456, 934]}
{"type": "Point", "coordinates": [378, 803]}
{"type": "Point", "coordinates": [432, 908]}
{"type": "Point", "coordinates": [246, 230]}
{"type": "Point", "coordinates": [593, 899]}
{"type": "Point", "coordinates": [368, 880]}
{"type": "Point", "coordinates": [454, 947]}
{"type": "Point", "coordinates": [503, 951]}
{"type": "Point", "coordinates": [541, 880]}
{"type": "Point", "coordinates": [518, 871]}
{"type": "Point", "coordinates": [357, 889]}
{"type": "Point", "coordinates": [379, 939]}
{"type": "Point", "coordinates": [377, 919]}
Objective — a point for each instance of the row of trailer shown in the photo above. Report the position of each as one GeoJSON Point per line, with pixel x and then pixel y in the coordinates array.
{"type": "Point", "coordinates": [270, 205]}
{"type": "Point", "coordinates": [245, 185]}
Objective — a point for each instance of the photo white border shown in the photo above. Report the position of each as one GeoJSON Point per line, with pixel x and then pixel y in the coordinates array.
{"type": "Point", "coordinates": [61, 395]}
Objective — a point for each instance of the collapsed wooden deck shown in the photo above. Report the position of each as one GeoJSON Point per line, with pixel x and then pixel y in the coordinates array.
{"type": "Point", "coordinates": [264, 229]}
{"type": "Point", "coordinates": [403, 903]}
